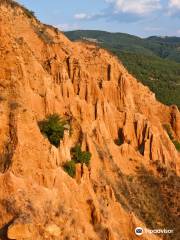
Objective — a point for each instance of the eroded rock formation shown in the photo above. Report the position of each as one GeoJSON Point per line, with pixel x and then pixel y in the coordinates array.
{"type": "Point", "coordinates": [41, 73]}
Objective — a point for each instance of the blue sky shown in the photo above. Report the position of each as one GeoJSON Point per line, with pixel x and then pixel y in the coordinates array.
{"type": "Point", "coordinates": [138, 17]}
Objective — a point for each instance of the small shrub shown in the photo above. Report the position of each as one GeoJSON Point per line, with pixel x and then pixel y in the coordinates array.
{"type": "Point", "coordinates": [70, 168]}
{"type": "Point", "coordinates": [177, 145]}
{"type": "Point", "coordinates": [161, 169]}
{"type": "Point", "coordinates": [168, 130]}
{"type": "Point", "coordinates": [43, 34]}
{"type": "Point", "coordinates": [53, 128]}
{"type": "Point", "coordinates": [29, 13]}
{"type": "Point", "coordinates": [79, 156]}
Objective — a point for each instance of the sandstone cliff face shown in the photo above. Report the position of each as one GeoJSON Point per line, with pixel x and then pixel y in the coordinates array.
{"type": "Point", "coordinates": [42, 72]}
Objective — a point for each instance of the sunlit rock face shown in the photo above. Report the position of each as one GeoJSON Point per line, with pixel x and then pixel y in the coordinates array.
{"type": "Point", "coordinates": [133, 174]}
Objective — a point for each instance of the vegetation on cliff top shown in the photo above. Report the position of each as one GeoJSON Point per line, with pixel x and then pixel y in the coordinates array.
{"type": "Point", "coordinates": [14, 4]}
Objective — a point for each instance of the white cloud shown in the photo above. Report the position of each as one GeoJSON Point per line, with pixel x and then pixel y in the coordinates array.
{"type": "Point", "coordinates": [124, 10]}
{"type": "Point", "coordinates": [174, 4]}
{"type": "Point", "coordinates": [85, 16]}
{"type": "Point", "coordinates": [178, 32]}
{"type": "Point", "coordinates": [139, 7]}
{"type": "Point", "coordinates": [81, 16]}
{"type": "Point", "coordinates": [174, 8]}
{"type": "Point", "coordinates": [152, 29]}
{"type": "Point", "coordinates": [67, 27]}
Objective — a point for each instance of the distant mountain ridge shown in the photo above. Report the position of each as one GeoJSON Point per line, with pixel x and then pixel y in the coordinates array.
{"type": "Point", "coordinates": [164, 47]}
{"type": "Point", "coordinates": [154, 60]}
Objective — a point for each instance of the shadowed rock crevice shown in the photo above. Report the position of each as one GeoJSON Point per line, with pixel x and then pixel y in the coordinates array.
{"type": "Point", "coordinates": [10, 146]}
{"type": "Point", "coordinates": [4, 230]}
{"type": "Point", "coordinates": [109, 72]}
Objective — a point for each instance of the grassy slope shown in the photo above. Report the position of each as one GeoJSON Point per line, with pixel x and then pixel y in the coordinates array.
{"type": "Point", "coordinates": [155, 61]}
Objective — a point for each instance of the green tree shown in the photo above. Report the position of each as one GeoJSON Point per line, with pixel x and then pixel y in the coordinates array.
{"type": "Point", "coordinates": [177, 145]}
{"type": "Point", "coordinates": [70, 168]}
{"type": "Point", "coordinates": [53, 128]}
{"type": "Point", "coordinates": [80, 156]}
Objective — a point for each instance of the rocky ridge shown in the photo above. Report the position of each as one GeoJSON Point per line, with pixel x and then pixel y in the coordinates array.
{"type": "Point", "coordinates": [41, 73]}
